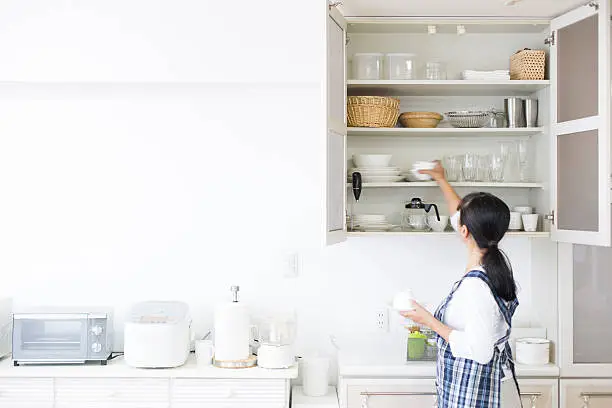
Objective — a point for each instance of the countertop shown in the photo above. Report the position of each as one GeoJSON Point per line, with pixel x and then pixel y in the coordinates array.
{"type": "Point", "coordinates": [117, 368]}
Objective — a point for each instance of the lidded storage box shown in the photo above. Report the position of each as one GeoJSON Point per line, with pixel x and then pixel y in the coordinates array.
{"type": "Point", "coordinates": [528, 65]}
{"type": "Point", "coordinates": [367, 65]}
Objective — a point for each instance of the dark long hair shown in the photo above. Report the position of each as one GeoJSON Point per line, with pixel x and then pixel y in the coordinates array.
{"type": "Point", "coordinates": [487, 218]}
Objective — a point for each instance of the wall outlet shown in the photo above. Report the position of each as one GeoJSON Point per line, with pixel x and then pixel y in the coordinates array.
{"type": "Point", "coordinates": [382, 320]}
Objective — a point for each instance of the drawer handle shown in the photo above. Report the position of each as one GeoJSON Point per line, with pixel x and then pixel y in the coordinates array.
{"type": "Point", "coordinates": [533, 397]}
{"type": "Point", "coordinates": [586, 397]}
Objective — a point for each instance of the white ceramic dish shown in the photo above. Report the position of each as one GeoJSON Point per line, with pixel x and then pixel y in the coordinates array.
{"type": "Point", "coordinates": [438, 226]}
{"type": "Point", "coordinates": [523, 209]}
{"type": "Point", "coordinates": [372, 160]}
{"type": "Point", "coordinates": [376, 228]}
{"type": "Point", "coordinates": [403, 301]}
{"type": "Point", "coordinates": [416, 176]}
{"type": "Point", "coordinates": [532, 351]}
{"type": "Point", "coordinates": [381, 179]}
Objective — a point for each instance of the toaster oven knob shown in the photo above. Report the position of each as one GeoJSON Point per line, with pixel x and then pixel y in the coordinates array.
{"type": "Point", "coordinates": [96, 330]}
{"type": "Point", "coordinates": [96, 347]}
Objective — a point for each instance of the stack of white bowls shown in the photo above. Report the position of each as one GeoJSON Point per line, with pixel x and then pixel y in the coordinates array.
{"type": "Point", "coordinates": [370, 222]}
{"type": "Point", "coordinates": [414, 173]}
{"type": "Point", "coordinates": [375, 168]}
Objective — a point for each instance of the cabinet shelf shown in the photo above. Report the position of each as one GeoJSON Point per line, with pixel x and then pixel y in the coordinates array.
{"type": "Point", "coordinates": [443, 132]}
{"type": "Point", "coordinates": [438, 234]}
{"type": "Point", "coordinates": [447, 88]}
{"type": "Point", "coordinates": [417, 184]}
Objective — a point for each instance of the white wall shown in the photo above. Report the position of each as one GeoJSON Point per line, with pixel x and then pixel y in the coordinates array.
{"type": "Point", "coordinates": [114, 193]}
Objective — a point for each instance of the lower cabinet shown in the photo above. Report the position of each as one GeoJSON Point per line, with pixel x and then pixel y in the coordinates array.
{"type": "Point", "coordinates": [26, 392]}
{"type": "Point", "coordinates": [218, 393]}
{"type": "Point", "coordinates": [421, 393]}
{"type": "Point", "coordinates": [586, 393]}
{"type": "Point", "coordinates": [112, 393]}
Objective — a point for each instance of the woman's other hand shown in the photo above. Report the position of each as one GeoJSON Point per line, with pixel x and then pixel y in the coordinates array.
{"type": "Point", "coordinates": [419, 315]}
{"type": "Point", "coordinates": [437, 173]}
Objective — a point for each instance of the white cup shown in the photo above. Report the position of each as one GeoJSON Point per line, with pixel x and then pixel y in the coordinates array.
{"type": "Point", "coordinates": [523, 209]}
{"type": "Point", "coordinates": [437, 226]}
{"type": "Point", "coordinates": [530, 222]}
{"type": "Point", "coordinates": [204, 351]}
{"type": "Point", "coordinates": [516, 224]}
{"type": "Point", "coordinates": [315, 375]}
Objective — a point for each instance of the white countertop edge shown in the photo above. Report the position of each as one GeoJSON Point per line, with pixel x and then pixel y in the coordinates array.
{"type": "Point", "coordinates": [428, 370]}
{"type": "Point", "coordinates": [117, 368]}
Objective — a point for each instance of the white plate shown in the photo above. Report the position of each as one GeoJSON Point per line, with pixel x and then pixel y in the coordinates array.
{"type": "Point", "coordinates": [380, 179]}
{"type": "Point", "coordinates": [376, 228]}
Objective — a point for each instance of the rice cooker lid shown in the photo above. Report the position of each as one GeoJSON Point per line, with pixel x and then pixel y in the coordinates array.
{"type": "Point", "coordinates": [159, 312]}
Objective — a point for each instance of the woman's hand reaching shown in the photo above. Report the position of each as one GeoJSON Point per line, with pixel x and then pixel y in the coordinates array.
{"type": "Point", "coordinates": [421, 316]}
{"type": "Point", "coordinates": [437, 173]}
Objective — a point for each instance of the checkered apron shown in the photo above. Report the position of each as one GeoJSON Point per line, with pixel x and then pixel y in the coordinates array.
{"type": "Point", "coordinates": [464, 383]}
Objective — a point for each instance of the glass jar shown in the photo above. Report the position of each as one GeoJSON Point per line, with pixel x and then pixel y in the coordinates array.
{"type": "Point", "coordinates": [435, 71]}
{"type": "Point", "coordinates": [497, 119]}
{"type": "Point", "coordinates": [400, 66]}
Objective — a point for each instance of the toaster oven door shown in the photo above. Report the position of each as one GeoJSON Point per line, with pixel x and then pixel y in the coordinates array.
{"type": "Point", "coordinates": [50, 337]}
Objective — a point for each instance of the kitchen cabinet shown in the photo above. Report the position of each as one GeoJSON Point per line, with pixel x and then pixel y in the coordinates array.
{"type": "Point", "coordinates": [584, 393]}
{"type": "Point", "coordinates": [395, 392]}
{"type": "Point", "coordinates": [568, 152]}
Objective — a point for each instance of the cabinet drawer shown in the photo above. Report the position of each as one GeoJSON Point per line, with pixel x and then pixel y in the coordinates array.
{"type": "Point", "coordinates": [196, 393]}
{"type": "Point", "coordinates": [26, 392]}
{"type": "Point", "coordinates": [390, 393]}
{"type": "Point", "coordinates": [112, 393]}
{"type": "Point", "coordinates": [591, 393]}
{"type": "Point", "coordinates": [539, 393]}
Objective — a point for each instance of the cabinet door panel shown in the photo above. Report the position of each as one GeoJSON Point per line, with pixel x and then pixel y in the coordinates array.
{"type": "Point", "coordinates": [26, 392]}
{"type": "Point", "coordinates": [580, 114]}
{"type": "Point", "coordinates": [392, 394]}
{"type": "Point", "coordinates": [196, 393]}
{"type": "Point", "coordinates": [591, 393]}
{"type": "Point", "coordinates": [536, 393]}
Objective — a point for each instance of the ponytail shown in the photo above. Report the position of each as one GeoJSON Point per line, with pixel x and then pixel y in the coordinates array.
{"type": "Point", "coordinates": [487, 219]}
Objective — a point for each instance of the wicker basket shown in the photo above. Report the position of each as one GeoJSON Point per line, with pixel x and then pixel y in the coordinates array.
{"type": "Point", "coordinates": [420, 119]}
{"type": "Point", "coordinates": [528, 65]}
{"type": "Point", "coordinates": [372, 111]}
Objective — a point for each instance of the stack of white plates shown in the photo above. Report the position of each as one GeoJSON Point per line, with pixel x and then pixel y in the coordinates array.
{"type": "Point", "coordinates": [371, 222]}
{"type": "Point", "coordinates": [377, 174]}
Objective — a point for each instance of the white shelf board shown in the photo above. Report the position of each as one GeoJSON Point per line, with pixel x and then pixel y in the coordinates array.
{"type": "Point", "coordinates": [417, 184]}
{"type": "Point", "coordinates": [443, 132]}
{"type": "Point", "coordinates": [446, 88]}
{"type": "Point", "coordinates": [446, 233]}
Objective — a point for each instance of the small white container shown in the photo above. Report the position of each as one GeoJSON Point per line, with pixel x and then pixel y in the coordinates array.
{"type": "Point", "coordinates": [315, 375]}
{"type": "Point", "coordinates": [204, 351]}
{"type": "Point", "coordinates": [400, 66]}
{"type": "Point", "coordinates": [368, 66]}
{"type": "Point", "coordinates": [530, 222]}
{"type": "Point", "coordinates": [523, 209]}
{"type": "Point", "coordinates": [516, 222]}
{"type": "Point", "coordinates": [532, 351]}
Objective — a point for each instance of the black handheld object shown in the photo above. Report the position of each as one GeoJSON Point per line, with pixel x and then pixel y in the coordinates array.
{"type": "Point", "coordinates": [417, 204]}
{"type": "Point", "coordinates": [357, 184]}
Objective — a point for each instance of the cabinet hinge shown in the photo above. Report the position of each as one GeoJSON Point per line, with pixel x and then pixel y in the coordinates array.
{"type": "Point", "coordinates": [347, 40]}
{"type": "Point", "coordinates": [333, 4]}
{"type": "Point", "coordinates": [550, 217]}
{"type": "Point", "coordinates": [594, 4]}
{"type": "Point", "coordinates": [550, 40]}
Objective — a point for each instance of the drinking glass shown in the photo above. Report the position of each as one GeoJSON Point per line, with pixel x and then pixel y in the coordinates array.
{"type": "Point", "coordinates": [497, 167]}
{"type": "Point", "coordinates": [435, 71]}
{"type": "Point", "coordinates": [452, 165]}
{"type": "Point", "coordinates": [483, 169]}
{"type": "Point", "coordinates": [470, 166]}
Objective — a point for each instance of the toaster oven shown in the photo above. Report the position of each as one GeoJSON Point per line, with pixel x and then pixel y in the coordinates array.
{"type": "Point", "coordinates": [62, 337]}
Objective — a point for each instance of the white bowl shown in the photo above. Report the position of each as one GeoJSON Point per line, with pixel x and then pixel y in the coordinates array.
{"type": "Point", "coordinates": [523, 209]}
{"type": "Point", "coordinates": [424, 165]}
{"type": "Point", "coordinates": [370, 217]}
{"type": "Point", "coordinates": [438, 226]}
{"type": "Point", "coordinates": [403, 301]}
{"type": "Point", "coordinates": [372, 160]}
{"type": "Point", "coordinates": [419, 176]}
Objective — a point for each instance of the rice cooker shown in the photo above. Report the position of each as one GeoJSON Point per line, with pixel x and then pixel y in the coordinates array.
{"type": "Point", "coordinates": [158, 335]}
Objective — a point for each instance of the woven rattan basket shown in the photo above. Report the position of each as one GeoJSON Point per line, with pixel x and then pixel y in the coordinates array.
{"type": "Point", "coordinates": [372, 111]}
{"type": "Point", "coordinates": [528, 65]}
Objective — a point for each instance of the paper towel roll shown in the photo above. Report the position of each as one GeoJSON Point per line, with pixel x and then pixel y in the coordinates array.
{"type": "Point", "coordinates": [232, 332]}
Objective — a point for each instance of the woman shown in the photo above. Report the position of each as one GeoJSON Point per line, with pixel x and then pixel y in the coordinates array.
{"type": "Point", "coordinates": [473, 323]}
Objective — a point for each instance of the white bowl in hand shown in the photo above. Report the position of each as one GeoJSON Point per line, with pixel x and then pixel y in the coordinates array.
{"type": "Point", "coordinates": [419, 176]}
{"type": "Point", "coordinates": [403, 301]}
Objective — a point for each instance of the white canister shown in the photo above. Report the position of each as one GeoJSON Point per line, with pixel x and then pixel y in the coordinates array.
{"type": "Point", "coordinates": [516, 222]}
{"type": "Point", "coordinates": [532, 351]}
{"type": "Point", "coordinates": [315, 375]}
{"type": "Point", "coordinates": [204, 351]}
{"type": "Point", "coordinates": [232, 330]}
{"type": "Point", "coordinates": [367, 65]}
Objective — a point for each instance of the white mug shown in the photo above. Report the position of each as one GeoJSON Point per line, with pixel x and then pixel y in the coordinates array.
{"type": "Point", "coordinates": [516, 224]}
{"type": "Point", "coordinates": [204, 351]}
{"type": "Point", "coordinates": [530, 222]}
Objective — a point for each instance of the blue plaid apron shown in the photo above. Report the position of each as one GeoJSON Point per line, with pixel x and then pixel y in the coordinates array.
{"type": "Point", "coordinates": [464, 383]}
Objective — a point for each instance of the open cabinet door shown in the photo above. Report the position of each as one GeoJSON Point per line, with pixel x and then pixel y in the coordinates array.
{"type": "Point", "coordinates": [580, 102]}
{"type": "Point", "coordinates": [335, 205]}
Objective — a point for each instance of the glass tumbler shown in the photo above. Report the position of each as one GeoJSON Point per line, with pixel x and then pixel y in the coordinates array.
{"type": "Point", "coordinates": [484, 168]}
{"type": "Point", "coordinates": [452, 165]}
{"type": "Point", "coordinates": [497, 168]}
{"type": "Point", "coordinates": [435, 71]}
{"type": "Point", "coordinates": [470, 166]}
